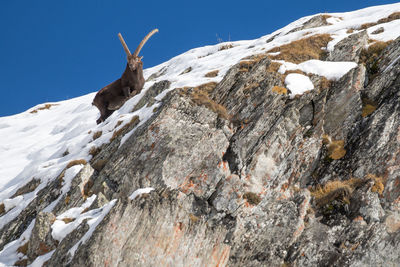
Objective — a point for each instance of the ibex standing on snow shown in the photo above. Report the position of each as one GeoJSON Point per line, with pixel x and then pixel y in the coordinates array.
{"type": "Point", "coordinates": [114, 95]}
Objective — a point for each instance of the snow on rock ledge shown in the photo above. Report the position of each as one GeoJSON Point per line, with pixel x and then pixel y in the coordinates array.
{"type": "Point", "coordinates": [328, 69]}
{"type": "Point", "coordinates": [298, 84]}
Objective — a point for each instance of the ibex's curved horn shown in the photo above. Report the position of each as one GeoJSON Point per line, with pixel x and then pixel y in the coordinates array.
{"type": "Point", "coordinates": [136, 53]}
{"type": "Point", "coordinates": [128, 53]}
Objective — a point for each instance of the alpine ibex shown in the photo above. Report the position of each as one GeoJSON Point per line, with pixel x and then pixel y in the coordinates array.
{"type": "Point", "coordinates": [114, 95]}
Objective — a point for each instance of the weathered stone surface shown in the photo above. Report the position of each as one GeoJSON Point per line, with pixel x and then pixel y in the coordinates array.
{"type": "Point", "coordinates": [349, 49]}
{"type": "Point", "coordinates": [316, 21]}
{"type": "Point", "coordinates": [168, 225]}
{"type": "Point", "coordinates": [151, 93]}
{"type": "Point", "coordinates": [41, 241]}
{"type": "Point", "coordinates": [242, 192]}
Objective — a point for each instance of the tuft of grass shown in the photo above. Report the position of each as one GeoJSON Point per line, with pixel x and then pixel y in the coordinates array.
{"type": "Point", "coordinates": [193, 218]}
{"type": "Point", "coordinates": [246, 64]}
{"type": "Point", "coordinates": [98, 165]}
{"type": "Point", "coordinates": [76, 162]}
{"type": "Point", "coordinates": [68, 220]}
{"type": "Point", "coordinates": [252, 198]}
{"type": "Point", "coordinates": [94, 151]}
{"type": "Point", "coordinates": [211, 74]}
{"type": "Point", "coordinates": [87, 192]}
{"type": "Point", "coordinates": [207, 87]}
{"type": "Point", "coordinates": [391, 17]}
{"type": "Point", "coordinates": [351, 30]}
{"type": "Point", "coordinates": [370, 57]}
{"type": "Point", "coordinates": [118, 124]}
{"type": "Point", "coordinates": [201, 98]}
{"type": "Point", "coordinates": [21, 263]}
{"type": "Point", "coordinates": [279, 90]}
{"type": "Point", "coordinates": [134, 121]}
{"type": "Point", "coordinates": [325, 84]}
{"type": "Point", "coordinates": [335, 147]}
{"type": "Point", "coordinates": [2, 209]}
{"type": "Point", "coordinates": [378, 186]}
{"type": "Point", "coordinates": [224, 47]}
{"type": "Point", "coordinates": [23, 249]}
{"type": "Point", "coordinates": [303, 49]}
{"type": "Point", "coordinates": [274, 67]}
{"type": "Point", "coordinates": [335, 190]}
{"type": "Point", "coordinates": [46, 106]}
{"type": "Point", "coordinates": [97, 135]}
{"type": "Point", "coordinates": [367, 110]}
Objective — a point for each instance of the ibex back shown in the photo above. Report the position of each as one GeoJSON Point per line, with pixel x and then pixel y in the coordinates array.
{"type": "Point", "coordinates": [114, 95]}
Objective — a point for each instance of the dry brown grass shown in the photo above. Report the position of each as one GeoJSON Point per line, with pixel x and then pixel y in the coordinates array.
{"type": "Point", "coordinates": [367, 110]}
{"type": "Point", "coordinates": [303, 49]}
{"type": "Point", "coordinates": [94, 151]}
{"type": "Point", "coordinates": [97, 135]}
{"type": "Point", "coordinates": [350, 31]}
{"type": "Point", "coordinates": [123, 129]}
{"type": "Point", "coordinates": [224, 47]}
{"type": "Point", "coordinates": [335, 147]}
{"type": "Point", "coordinates": [76, 162]}
{"type": "Point", "coordinates": [378, 186]}
{"type": "Point", "coordinates": [391, 17]}
{"type": "Point", "coordinates": [325, 84]}
{"type": "Point", "coordinates": [207, 87]}
{"type": "Point", "coordinates": [2, 208]}
{"type": "Point", "coordinates": [274, 67]}
{"type": "Point", "coordinates": [23, 249]}
{"type": "Point", "coordinates": [335, 190]}
{"type": "Point", "coordinates": [46, 106]}
{"type": "Point", "coordinates": [67, 200]}
{"type": "Point", "coordinates": [193, 218]}
{"type": "Point", "coordinates": [248, 62]}
{"type": "Point", "coordinates": [212, 74]}
{"type": "Point", "coordinates": [99, 164]}
{"type": "Point", "coordinates": [370, 57]}
{"type": "Point", "coordinates": [68, 220]}
{"type": "Point", "coordinates": [21, 263]}
{"type": "Point", "coordinates": [279, 90]}
{"type": "Point", "coordinates": [201, 98]}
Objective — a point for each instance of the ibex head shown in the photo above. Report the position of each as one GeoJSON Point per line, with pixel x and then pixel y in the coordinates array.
{"type": "Point", "coordinates": [133, 59]}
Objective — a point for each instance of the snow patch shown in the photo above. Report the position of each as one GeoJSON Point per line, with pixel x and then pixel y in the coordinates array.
{"type": "Point", "coordinates": [93, 223]}
{"type": "Point", "coordinates": [140, 191]}
{"type": "Point", "coordinates": [11, 203]}
{"type": "Point", "coordinates": [61, 229]}
{"type": "Point", "coordinates": [298, 84]}
{"type": "Point", "coordinates": [329, 69]}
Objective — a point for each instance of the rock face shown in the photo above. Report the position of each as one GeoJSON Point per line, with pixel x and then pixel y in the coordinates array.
{"type": "Point", "coordinates": [243, 191]}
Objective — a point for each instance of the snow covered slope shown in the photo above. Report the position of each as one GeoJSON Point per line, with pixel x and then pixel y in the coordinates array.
{"type": "Point", "coordinates": [38, 144]}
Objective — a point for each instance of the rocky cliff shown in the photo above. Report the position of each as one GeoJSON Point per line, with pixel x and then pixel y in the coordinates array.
{"type": "Point", "coordinates": [243, 170]}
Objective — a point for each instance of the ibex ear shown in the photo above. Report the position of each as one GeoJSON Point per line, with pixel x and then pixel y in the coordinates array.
{"type": "Point", "coordinates": [141, 58]}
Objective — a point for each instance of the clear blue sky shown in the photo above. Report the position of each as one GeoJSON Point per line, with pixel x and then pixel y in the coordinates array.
{"type": "Point", "coordinates": [56, 50]}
